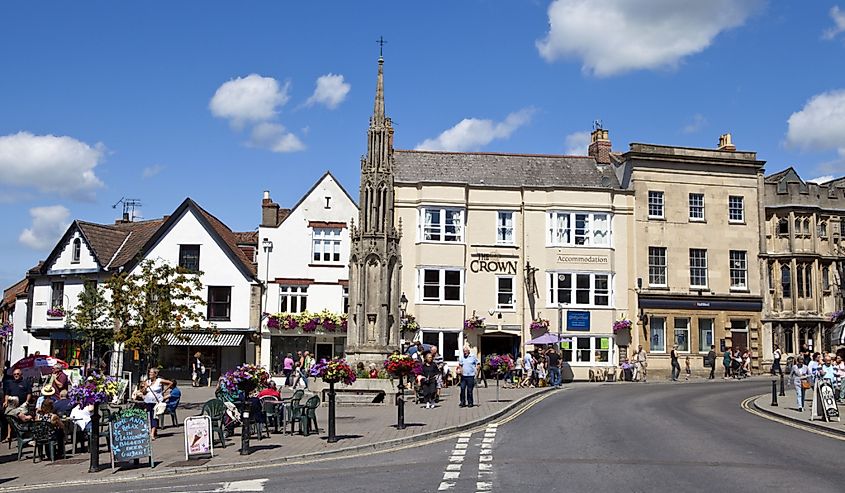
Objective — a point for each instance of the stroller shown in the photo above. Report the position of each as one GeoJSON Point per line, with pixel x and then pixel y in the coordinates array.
{"type": "Point", "coordinates": [738, 370]}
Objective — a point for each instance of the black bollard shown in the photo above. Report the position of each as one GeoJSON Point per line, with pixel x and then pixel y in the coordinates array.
{"type": "Point", "coordinates": [774, 393]}
{"type": "Point", "coordinates": [94, 440]}
{"type": "Point", "coordinates": [400, 403]}
{"type": "Point", "coordinates": [782, 393]}
{"type": "Point", "coordinates": [245, 427]}
{"type": "Point", "coordinates": [332, 435]}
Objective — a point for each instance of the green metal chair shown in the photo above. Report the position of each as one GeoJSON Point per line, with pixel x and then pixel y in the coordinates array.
{"type": "Point", "coordinates": [44, 436]}
{"type": "Point", "coordinates": [294, 409]}
{"type": "Point", "coordinates": [23, 434]}
{"type": "Point", "coordinates": [309, 415]}
{"type": "Point", "coordinates": [216, 410]}
{"type": "Point", "coordinates": [274, 413]}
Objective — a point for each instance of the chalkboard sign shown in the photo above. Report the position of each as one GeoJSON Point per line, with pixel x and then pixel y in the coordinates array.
{"type": "Point", "coordinates": [130, 436]}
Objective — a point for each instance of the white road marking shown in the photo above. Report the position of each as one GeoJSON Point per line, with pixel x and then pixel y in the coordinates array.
{"type": "Point", "coordinates": [487, 440]}
{"type": "Point", "coordinates": [456, 458]}
{"type": "Point", "coordinates": [465, 435]}
{"type": "Point", "coordinates": [485, 458]}
{"type": "Point", "coordinates": [451, 475]}
{"type": "Point", "coordinates": [485, 467]}
{"type": "Point", "coordinates": [445, 485]}
{"type": "Point", "coordinates": [246, 485]}
{"type": "Point", "coordinates": [453, 467]}
{"type": "Point", "coordinates": [461, 445]}
{"type": "Point", "coordinates": [463, 440]}
{"type": "Point", "coordinates": [484, 485]}
{"type": "Point", "coordinates": [458, 451]}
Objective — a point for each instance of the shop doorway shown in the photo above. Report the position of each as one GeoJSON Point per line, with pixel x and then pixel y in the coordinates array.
{"type": "Point", "coordinates": [324, 351]}
{"type": "Point", "coordinates": [739, 334]}
{"type": "Point", "coordinates": [499, 344]}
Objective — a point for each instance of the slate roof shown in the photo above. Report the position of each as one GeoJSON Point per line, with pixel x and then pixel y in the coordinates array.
{"type": "Point", "coordinates": [502, 170]}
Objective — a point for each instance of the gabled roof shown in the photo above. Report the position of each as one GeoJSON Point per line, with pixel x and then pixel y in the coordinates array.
{"type": "Point", "coordinates": [216, 228]}
{"type": "Point", "coordinates": [139, 233]}
{"type": "Point", "coordinates": [246, 237]}
{"type": "Point", "coordinates": [502, 170]}
{"type": "Point", "coordinates": [788, 174]}
{"type": "Point", "coordinates": [313, 187]}
{"type": "Point", "coordinates": [12, 292]}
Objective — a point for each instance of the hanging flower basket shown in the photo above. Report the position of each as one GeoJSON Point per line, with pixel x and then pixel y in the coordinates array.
{"type": "Point", "coordinates": [474, 323]}
{"type": "Point", "coordinates": [56, 312]}
{"type": "Point", "coordinates": [622, 325]}
{"type": "Point", "coordinates": [400, 365]}
{"type": "Point", "coordinates": [96, 389]}
{"type": "Point", "coordinates": [540, 324]}
{"type": "Point", "coordinates": [6, 331]}
{"type": "Point", "coordinates": [246, 378]}
{"type": "Point", "coordinates": [334, 371]}
{"type": "Point", "coordinates": [499, 364]}
{"type": "Point", "coordinates": [409, 324]}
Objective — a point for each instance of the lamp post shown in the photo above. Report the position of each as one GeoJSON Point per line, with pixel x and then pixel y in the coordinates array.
{"type": "Point", "coordinates": [400, 394]}
{"type": "Point", "coordinates": [267, 246]}
{"type": "Point", "coordinates": [403, 317]}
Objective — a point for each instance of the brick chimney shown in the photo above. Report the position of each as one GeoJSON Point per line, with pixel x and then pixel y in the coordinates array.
{"type": "Point", "coordinates": [269, 211]}
{"type": "Point", "coordinates": [600, 146]}
{"type": "Point", "coordinates": [725, 143]}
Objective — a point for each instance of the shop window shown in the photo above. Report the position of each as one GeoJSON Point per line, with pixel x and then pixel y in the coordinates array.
{"type": "Point", "coordinates": [681, 335]}
{"type": "Point", "coordinates": [441, 225]}
{"type": "Point", "coordinates": [293, 299]}
{"type": "Point", "coordinates": [504, 228]}
{"type": "Point", "coordinates": [587, 350]}
{"type": "Point", "coordinates": [189, 257]}
{"type": "Point", "coordinates": [326, 245]}
{"type": "Point", "coordinates": [657, 335]}
{"type": "Point", "coordinates": [505, 293]}
{"type": "Point", "coordinates": [705, 334]}
{"type": "Point", "coordinates": [447, 342]}
{"type": "Point", "coordinates": [657, 266]}
{"type": "Point", "coordinates": [579, 289]}
{"type": "Point", "coordinates": [219, 302]}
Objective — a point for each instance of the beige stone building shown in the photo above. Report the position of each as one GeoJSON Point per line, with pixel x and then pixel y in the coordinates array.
{"type": "Point", "coordinates": [514, 239]}
{"type": "Point", "coordinates": [802, 259]}
{"type": "Point", "coordinates": [696, 246]}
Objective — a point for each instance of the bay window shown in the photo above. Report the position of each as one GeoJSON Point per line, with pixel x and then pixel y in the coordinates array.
{"type": "Point", "coordinates": [578, 229]}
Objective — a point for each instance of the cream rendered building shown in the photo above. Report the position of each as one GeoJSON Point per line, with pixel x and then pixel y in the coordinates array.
{"type": "Point", "coordinates": [697, 242]}
{"type": "Point", "coordinates": [515, 238]}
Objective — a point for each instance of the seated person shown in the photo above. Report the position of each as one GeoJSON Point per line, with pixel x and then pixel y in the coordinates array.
{"type": "Point", "coordinates": [172, 398]}
{"type": "Point", "coordinates": [270, 391]}
{"type": "Point", "coordinates": [47, 414]}
{"type": "Point", "coordinates": [82, 417]}
{"type": "Point", "coordinates": [373, 371]}
{"type": "Point", "coordinates": [48, 391]}
{"type": "Point", "coordinates": [62, 405]}
{"type": "Point", "coordinates": [14, 409]}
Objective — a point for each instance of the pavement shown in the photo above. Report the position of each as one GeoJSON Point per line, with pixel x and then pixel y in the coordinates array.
{"type": "Point", "coordinates": [589, 437]}
{"type": "Point", "coordinates": [358, 428]}
{"type": "Point", "coordinates": [787, 411]}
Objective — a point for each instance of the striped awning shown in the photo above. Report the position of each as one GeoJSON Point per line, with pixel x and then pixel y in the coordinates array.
{"type": "Point", "coordinates": [229, 340]}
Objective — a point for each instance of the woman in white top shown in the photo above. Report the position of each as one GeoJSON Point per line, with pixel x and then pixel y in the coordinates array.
{"type": "Point", "coordinates": [153, 389]}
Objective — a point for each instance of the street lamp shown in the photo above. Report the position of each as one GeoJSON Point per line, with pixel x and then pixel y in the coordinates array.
{"type": "Point", "coordinates": [403, 318]}
{"type": "Point", "coordinates": [400, 394]}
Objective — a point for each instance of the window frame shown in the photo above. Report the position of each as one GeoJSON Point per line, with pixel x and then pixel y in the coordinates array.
{"type": "Point", "coordinates": [659, 201]}
{"type": "Point", "coordinates": [570, 355]}
{"type": "Point", "coordinates": [568, 236]}
{"type": "Point", "coordinates": [503, 227]}
{"type": "Point", "coordinates": [507, 307]}
{"type": "Point", "coordinates": [702, 347]}
{"type": "Point", "coordinates": [57, 294]}
{"type": "Point", "coordinates": [778, 227]}
{"type": "Point", "coordinates": [291, 293]}
{"type": "Point", "coordinates": [441, 285]}
{"type": "Point", "coordinates": [76, 251]}
{"type": "Point", "coordinates": [184, 257]}
{"type": "Point", "coordinates": [692, 207]}
{"type": "Point", "coordinates": [732, 209]}
{"type": "Point", "coordinates": [654, 268]}
{"type": "Point", "coordinates": [210, 303]}
{"type": "Point", "coordinates": [440, 228]}
{"type": "Point", "coordinates": [553, 279]}
{"type": "Point", "coordinates": [685, 329]}
{"type": "Point", "coordinates": [734, 271]}
{"type": "Point", "coordinates": [786, 287]}
{"type": "Point", "coordinates": [698, 267]}
{"type": "Point", "coordinates": [326, 241]}
{"type": "Point", "coordinates": [651, 331]}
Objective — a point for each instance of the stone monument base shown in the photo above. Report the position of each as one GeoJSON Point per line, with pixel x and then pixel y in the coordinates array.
{"type": "Point", "coordinates": [368, 354]}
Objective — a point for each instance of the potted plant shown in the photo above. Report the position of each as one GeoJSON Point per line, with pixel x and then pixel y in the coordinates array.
{"type": "Point", "coordinates": [246, 378]}
{"type": "Point", "coordinates": [400, 365]}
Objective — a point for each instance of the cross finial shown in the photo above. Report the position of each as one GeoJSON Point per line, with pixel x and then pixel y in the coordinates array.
{"type": "Point", "coordinates": [381, 41]}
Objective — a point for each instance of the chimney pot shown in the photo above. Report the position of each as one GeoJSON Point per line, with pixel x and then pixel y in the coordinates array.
{"type": "Point", "coordinates": [600, 146]}
{"type": "Point", "coordinates": [725, 143]}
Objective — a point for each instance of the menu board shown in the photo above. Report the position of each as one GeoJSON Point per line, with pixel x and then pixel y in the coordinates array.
{"type": "Point", "coordinates": [198, 437]}
{"type": "Point", "coordinates": [130, 436]}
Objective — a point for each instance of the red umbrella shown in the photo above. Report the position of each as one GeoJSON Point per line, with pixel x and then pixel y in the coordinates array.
{"type": "Point", "coordinates": [38, 364]}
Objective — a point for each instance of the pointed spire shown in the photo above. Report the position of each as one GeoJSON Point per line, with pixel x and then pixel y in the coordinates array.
{"type": "Point", "coordinates": [378, 108]}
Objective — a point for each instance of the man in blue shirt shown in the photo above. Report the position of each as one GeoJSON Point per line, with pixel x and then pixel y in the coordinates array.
{"type": "Point", "coordinates": [468, 368]}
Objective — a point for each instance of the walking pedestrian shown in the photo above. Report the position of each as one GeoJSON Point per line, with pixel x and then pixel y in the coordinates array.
{"type": "Point", "coordinates": [287, 369]}
{"type": "Point", "coordinates": [528, 371]}
{"type": "Point", "coordinates": [711, 359]}
{"type": "Point", "coordinates": [776, 356]}
{"type": "Point", "coordinates": [800, 381]}
{"type": "Point", "coordinates": [468, 366]}
{"type": "Point", "coordinates": [676, 366]}
{"type": "Point", "coordinates": [641, 363]}
{"type": "Point", "coordinates": [428, 380]}
{"type": "Point", "coordinates": [197, 371]}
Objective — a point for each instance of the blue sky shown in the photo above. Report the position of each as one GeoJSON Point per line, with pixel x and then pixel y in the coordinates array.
{"type": "Point", "coordinates": [219, 100]}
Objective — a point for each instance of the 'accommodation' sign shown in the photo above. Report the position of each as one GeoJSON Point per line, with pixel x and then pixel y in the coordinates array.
{"type": "Point", "coordinates": [497, 264]}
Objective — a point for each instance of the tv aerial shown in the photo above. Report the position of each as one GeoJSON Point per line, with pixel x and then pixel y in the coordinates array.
{"type": "Point", "coordinates": [129, 206]}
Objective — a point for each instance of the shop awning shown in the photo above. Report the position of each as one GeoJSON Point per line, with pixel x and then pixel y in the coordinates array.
{"type": "Point", "coordinates": [229, 340]}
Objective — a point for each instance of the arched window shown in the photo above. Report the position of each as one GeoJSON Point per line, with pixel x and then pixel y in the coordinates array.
{"type": "Point", "coordinates": [77, 251]}
{"type": "Point", "coordinates": [786, 281]}
{"type": "Point", "coordinates": [783, 227]}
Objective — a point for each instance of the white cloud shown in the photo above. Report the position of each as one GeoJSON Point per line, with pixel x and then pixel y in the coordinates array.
{"type": "Point", "coordinates": [151, 171]}
{"type": "Point", "coordinates": [820, 125]}
{"type": "Point", "coordinates": [470, 134]}
{"type": "Point", "coordinates": [275, 137]}
{"type": "Point", "coordinates": [249, 99]}
{"type": "Point", "coordinates": [48, 224]}
{"type": "Point", "coordinates": [577, 143]}
{"type": "Point", "coordinates": [616, 36]}
{"type": "Point", "coordinates": [838, 17]}
{"type": "Point", "coordinates": [821, 179]}
{"type": "Point", "coordinates": [50, 164]}
{"type": "Point", "coordinates": [331, 90]}
{"type": "Point", "coordinates": [697, 123]}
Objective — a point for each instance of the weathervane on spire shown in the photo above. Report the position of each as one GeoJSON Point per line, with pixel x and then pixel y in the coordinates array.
{"type": "Point", "coordinates": [381, 41]}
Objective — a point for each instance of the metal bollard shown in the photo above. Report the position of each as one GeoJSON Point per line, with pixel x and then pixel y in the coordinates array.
{"type": "Point", "coordinates": [774, 393]}
{"type": "Point", "coordinates": [782, 393]}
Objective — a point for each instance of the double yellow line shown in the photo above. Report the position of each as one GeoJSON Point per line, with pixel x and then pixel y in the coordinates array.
{"type": "Point", "coordinates": [749, 407]}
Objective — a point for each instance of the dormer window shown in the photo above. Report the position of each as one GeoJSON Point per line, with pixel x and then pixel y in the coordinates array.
{"type": "Point", "coordinates": [76, 251]}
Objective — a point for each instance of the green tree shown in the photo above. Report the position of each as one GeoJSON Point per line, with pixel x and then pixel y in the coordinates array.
{"type": "Point", "coordinates": [160, 300]}
{"type": "Point", "coordinates": [90, 320]}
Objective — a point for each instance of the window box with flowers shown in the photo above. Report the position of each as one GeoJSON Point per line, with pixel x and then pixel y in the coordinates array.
{"type": "Point", "coordinates": [56, 312]}
{"type": "Point", "coordinates": [324, 322]}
